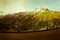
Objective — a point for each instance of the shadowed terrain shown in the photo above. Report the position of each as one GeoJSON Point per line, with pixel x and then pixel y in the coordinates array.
{"type": "Point", "coordinates": [42, 35]}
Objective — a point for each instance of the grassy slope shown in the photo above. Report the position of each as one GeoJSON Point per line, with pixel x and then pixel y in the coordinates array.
{"type": "Point", "coordinates": [25, 21]}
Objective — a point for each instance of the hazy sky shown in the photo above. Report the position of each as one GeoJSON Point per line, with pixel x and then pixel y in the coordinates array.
{"type": "Point", "coordinates": [23, 5]}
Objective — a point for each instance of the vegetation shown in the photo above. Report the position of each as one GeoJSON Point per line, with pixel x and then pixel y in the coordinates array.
{"type": "Point", "coordinates": [30, 21]}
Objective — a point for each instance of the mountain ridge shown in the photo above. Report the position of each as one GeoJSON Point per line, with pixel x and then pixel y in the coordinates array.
{"type": "Point", "coordinates": [30, 21]}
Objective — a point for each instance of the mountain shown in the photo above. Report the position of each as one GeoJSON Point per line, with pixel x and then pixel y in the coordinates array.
{"type": "Point", "coordinates": [30, 21]}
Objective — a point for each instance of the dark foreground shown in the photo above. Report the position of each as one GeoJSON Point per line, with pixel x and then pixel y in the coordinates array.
{"type": "Point", "coordinates": [43, 35]}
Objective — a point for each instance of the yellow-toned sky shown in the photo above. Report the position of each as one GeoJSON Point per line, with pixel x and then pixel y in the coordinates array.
{"type": "Point", "coordinates": [11, 6]}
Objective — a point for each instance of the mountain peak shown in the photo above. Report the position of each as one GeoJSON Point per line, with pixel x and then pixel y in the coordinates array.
{"type": "Point", "coordinates": [41, 9]}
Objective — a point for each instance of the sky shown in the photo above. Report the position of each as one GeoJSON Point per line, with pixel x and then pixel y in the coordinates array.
{"type": "Point", "coordinates": [12, 6]}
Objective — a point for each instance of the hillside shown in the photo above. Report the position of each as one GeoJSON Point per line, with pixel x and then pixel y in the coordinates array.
{"type": "Point", "coordinates": [30, 21]}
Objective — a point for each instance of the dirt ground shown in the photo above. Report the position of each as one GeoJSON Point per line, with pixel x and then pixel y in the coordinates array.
{"type": "Point", "coordinates": [42, 35]}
